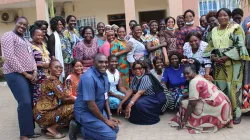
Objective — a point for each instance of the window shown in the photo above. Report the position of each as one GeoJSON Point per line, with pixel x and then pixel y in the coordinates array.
{"type": "Point", "coordinates": [27, 33]}
{"type": "Point", "coordinates": [214, 5]}
{"type": "Point", "coordinates": [90, 21]}
{"type": "Point", "coordinates": [118, 19]}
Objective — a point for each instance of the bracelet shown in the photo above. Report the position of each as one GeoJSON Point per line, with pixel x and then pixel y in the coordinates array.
{"type": "Point", "coordinates": [132, 102]}
{"type": "Point", "coordinates": [110, 114]}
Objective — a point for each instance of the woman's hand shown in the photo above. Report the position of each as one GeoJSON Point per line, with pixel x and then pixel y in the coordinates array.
{"type": "Point", "coordinates": [128, 48]}
{"type": "Point", "coordinates": [167, 62]}
{"type": "Point", "coordinates": [208, 77]}
{"type": "Point", "coordinates": [45, 65]}
{"type": "Point", "coordinates": [181, 125]}
{"type": "Point", "coordinates": [119, 109]}
{"type": "Point", "coordinates": [114, 120]}
{"type": "Point", "coordinates": [128, 111]}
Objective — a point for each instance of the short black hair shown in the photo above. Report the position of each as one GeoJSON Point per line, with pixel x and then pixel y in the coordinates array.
{"type": "Point", "coordinates": [73, 63]}
{"type": "Point", "coordinates": [136, 25]}
{"type": "Point", "coordinates": [140, 63]}
{"type": "Point", "coordinates": [121, 27]}
{"type": "Point", "coordinates": [195, 67]}
{"type": "Point", "coordinates": [88, 27]}
{"type": "Point", "coordinates": [203, 16]}
{"type": "Point", "coordinates": [33, 28]}
{"type": "Point", "coordinates": [40, 23]}
{"type": "Point", "coordinates": [112, 56]}
{"type": "Point", "coordinates": [211, 14]}
{"type": "Point", "coordinates": [54, 22]}
{"type": "Point", "coordinates": [237, 11]}
{"type": "Point", "coordinates": [196, 34]}
{"type": "Point", "coordinates": [79, 30]}
{"type": "Point", "coordinates": [52, 61]}
{"type": "Point", "coordinates": [98, 55]}
{"type": "Point", "coordinates": [229, 13]}
{"type": "Point", "coordinates": [189, 11]}
{"type": "Point", "coordinates": [133, 21]}
{"type": "Point", "coordinates": [175, 53]}
{"type": "Point", "coordinates": [168, 18]}
{"type": "Point", "coordinates": [69, 17]}
{"type": "Point", "coordinates": [157, 58]}
{"type": "Point", "coordinates": [22, 17]}
{"type": "Point", "coordinates": [100, 23]}
{"type": "Point", "coordinates": [153, 21]}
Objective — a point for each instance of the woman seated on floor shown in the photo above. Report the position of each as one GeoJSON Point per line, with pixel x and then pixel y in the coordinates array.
{"type": "Point", "coordinates": [145, 98]}
{"type": "Point", "coordinates": [158, 69]}
{"type": "Point", "coordinates": [205, 108]}
{"type": "Point", "coordinates": [115, 96]}
{"type": "Point", "coordinates": [54, 108]}
{"type": "Point", "coordinates": [173, 78]}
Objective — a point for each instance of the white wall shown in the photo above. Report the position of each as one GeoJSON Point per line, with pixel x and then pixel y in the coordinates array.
{"type": "Point", "coordinates": [29, 13]}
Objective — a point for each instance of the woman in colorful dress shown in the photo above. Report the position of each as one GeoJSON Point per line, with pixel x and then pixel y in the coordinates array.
{"type": "Point", "coordinates": [205, 108]}
{"type": "Point", "coordinates": [246, 82]}
{"type": "Point", "coordinates": [41, 55]}
{"type": "Point", "coordinates": [158, 69]}
{"type": "Point", "coordinates": [54, 107]}
{"type": "Point", "coordinates": [86, 49]}
{"type": "Point", "coordinates": [20, 72]}
{"type": "Point", "coordinates": [59, 46]}
{"type": "Point", "coordinates": [119, 49]}
{"type": "Point", "coordinates": [185, 30]}
{"type": "Point", "coordinates": [105, 48]}
{"type": "Point", "coordinates": [180, 22]}
{"type": "Point", "coordinates": [174, 80]}
{"type": "Point", "coordinates": [101, 38]}
{"type": "Point", "coordinates": [194, 48]}
{"type": "Point", "coordinates": [153, 42]}
{"type": "Point", "coordinates": [115, 95]}
{"type": "Point", "coordinates": [131, 24]}
{"type": "Point", "coordinates": [227, 50]}
{"type": "Point", "coordinates": [145, 99]}
{"type": "Point", "coordinates": [70, 32]}
{"type": "Point", "coordinates": [71, 82]}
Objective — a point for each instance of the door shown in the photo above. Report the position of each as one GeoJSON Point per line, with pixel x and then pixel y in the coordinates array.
{"type": "Point", "coordinates": [146, 16]}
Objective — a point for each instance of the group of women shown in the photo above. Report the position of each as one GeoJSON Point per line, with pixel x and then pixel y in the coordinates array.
{"type": "Point", "coordinates": [152, 69]}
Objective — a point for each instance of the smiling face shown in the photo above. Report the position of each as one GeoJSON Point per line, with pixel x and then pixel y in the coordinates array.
{"type": "Point", "coordinates": [121, 33]}
{"type": "Point", "coordinates": [78, 68]}
{"type": "Point", "coordinates": [100, 28]}
{"type": "Point", "coordinates": [131, 24]}
{"type": "Point", "coordinates": [44, 28]}
{"type": "Point", "coordinates": [138, 70]}
{"type": "Point", "coordinates": [72, 22]}
{"type": "Point", "coordinates": [59, 27]}
{"type": "Point", "coordinates": [237, 18]}
{"type": "Point", "coordinates": [213, 22]}
{"type": "Point", "coordinates": [101, 63]}
{"type": "Point", "coordinates": [38, 36]}
{"type": "Point", "coordinates": [162, 25]}
{"type": "Point", "coordinates": [56, 69]}
{"type": "Point", "coordinates": [154, 27]}
{"type": "Point", "coordinates": [170, 23]}
{"type": "Point", "coordinates": [223, 18]}
{"type": "Point", "coordinates": [158, 64]}
{"type": "Point", "coordinates": [203, 22]}
{"type": "Point", "coordinates": [21, 26]}
{"type": "Point", "coordinates": [189, 73]}
{"type": "Point", "coordinates": [110, 36]}
{"type": "Point", "coordinates": [189, 17]}
{"type": "Point", "coordinates": [180, 22]}
{"type": "Point", "coordinates": [194, 42]}
{"type": "Point", "coordinates": [137, 32]}
{"type": "Point", "coordinates": [113, 63]}
{"type": "Point", "coordinates": [88, 35]}
{"type": "Point", "coordinates": [174, 61]}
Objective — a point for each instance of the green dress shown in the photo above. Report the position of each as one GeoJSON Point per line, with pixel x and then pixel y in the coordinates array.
{"type": "Point", "coordinates": [123, 65]}
{"type": "Point", "coordinates": [228, 76]}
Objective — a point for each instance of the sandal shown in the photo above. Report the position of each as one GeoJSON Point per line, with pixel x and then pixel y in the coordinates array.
{"type": "Point", "coordinates": [36, 135]}
{"type": "Point", "coordinates": [52, 136]}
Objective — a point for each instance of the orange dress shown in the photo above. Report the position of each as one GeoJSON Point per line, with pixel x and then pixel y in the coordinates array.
{"type": "Point", "coordinates": [71, 83]}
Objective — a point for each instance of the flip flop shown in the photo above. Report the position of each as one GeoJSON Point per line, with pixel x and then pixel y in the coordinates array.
{"type": "Point", "coordinates": [52, 136]}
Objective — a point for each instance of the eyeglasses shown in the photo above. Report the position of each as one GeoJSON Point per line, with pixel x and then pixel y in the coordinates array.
{"type": "Point", "coordinates": [139, 68]}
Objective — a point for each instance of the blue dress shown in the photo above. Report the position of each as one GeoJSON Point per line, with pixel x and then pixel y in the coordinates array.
{"type": "Point", "coordinates": [147, 109]}
{"type": "Point", "coordinates": [93, 89]}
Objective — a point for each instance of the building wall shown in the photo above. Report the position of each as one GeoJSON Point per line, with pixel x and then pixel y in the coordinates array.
{"type": "Point", "coordinates": [246, 8]}
{"type": "Point", "coordinates": [193, 5]}
{"type": "Point", "coordinates": [101, 9]}
{"type": "Point", "coordinates": [29, 13]}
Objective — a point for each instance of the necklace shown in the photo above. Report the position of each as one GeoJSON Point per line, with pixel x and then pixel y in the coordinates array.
{"type": "Point", "coordinates": [177, 68]}
{"type": "Point", "coordinates": [222, 31]}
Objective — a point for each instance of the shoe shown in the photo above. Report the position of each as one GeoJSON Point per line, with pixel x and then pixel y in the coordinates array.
{"type": "Point", "coordinates": [237, 120]}
{"type": "Point", "coordinates": [74, 128]}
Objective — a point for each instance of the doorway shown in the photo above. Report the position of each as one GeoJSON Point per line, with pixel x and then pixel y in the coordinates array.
{"type": "Point", "coordinates": [147, 16]}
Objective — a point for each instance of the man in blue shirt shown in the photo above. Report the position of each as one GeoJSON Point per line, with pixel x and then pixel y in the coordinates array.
{"type": "Point", "coordinates": [92, 107]}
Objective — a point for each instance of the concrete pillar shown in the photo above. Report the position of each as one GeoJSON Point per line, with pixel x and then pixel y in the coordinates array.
{"type": "Point", "coordinates": [174, 8]}
{"type": "Point", "coordinates": [129, 6]}
{"type": "Point", "coordinates": [42, 12]}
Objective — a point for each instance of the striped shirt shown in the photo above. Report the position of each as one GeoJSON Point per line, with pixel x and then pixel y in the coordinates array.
{"type": "Point", "coordinates": [145, 84]}
{"type": "Point", "coordinates": [18, 54]}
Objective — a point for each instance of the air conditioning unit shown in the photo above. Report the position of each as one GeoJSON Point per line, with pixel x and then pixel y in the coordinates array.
{"type": "Point", "coordinates": [8, 16]}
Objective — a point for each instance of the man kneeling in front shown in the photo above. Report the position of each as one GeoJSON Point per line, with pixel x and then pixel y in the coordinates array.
{"type": "Point", "coordinates": [92, 107]}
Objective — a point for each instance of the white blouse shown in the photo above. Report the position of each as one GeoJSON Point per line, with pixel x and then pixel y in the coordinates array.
{"type": "Point", "coordinates": [113, 79]}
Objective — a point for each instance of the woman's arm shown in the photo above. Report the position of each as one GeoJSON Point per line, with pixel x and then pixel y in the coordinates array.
{"type": "Point", "coordinates": [130, 55]}
{"type": "Point", "coordinates": [165, 54]}
{"type": "Point", "coordinates": [190, 109]}
{"type": "Point", "coordinates": [151, 48]}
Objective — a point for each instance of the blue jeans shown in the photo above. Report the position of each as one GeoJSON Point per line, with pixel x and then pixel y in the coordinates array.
{"type": "Point", "coordinates": [22, 88]}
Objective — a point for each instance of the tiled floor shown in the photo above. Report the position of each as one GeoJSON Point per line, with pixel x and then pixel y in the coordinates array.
{"type": "Point", "coordinates": [162, 131]}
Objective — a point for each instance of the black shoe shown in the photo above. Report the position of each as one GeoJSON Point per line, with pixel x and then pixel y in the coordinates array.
{"type": "Point", "coordinates": [237, 120]}
{"type": "Point", "coordinates": [74, 128]}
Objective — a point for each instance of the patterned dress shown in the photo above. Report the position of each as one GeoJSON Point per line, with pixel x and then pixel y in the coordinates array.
{"type": "Point", "coordinates": [205, 62]}
{"type": "Point", "coordinates": [169, 38]}
{"type": "Point", "coordinates": [41, 56]}
{"type": "Point", "coordinates": [71, 84]}
{"type": "Point", "coordinates": [86, 54]}
{"type": "Point", "coordinates": [99, 41]}
{"type": "Point", "coordinates": [229, 76]}
{"type": "Point", "coordinates": [50, 109]}
{"type": "Point", "coordinates": [73, 37]}
{"type": "Point", "coordinates": [67, 52]}
{"type": "Point", "coordinates": [182, 34]}
{"type": "Point", "coordinates": [154, 39]}
{"type": "Point", "coordinates": [212, 111]}
{"type": "Point", "coordinates": [123, 65]}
